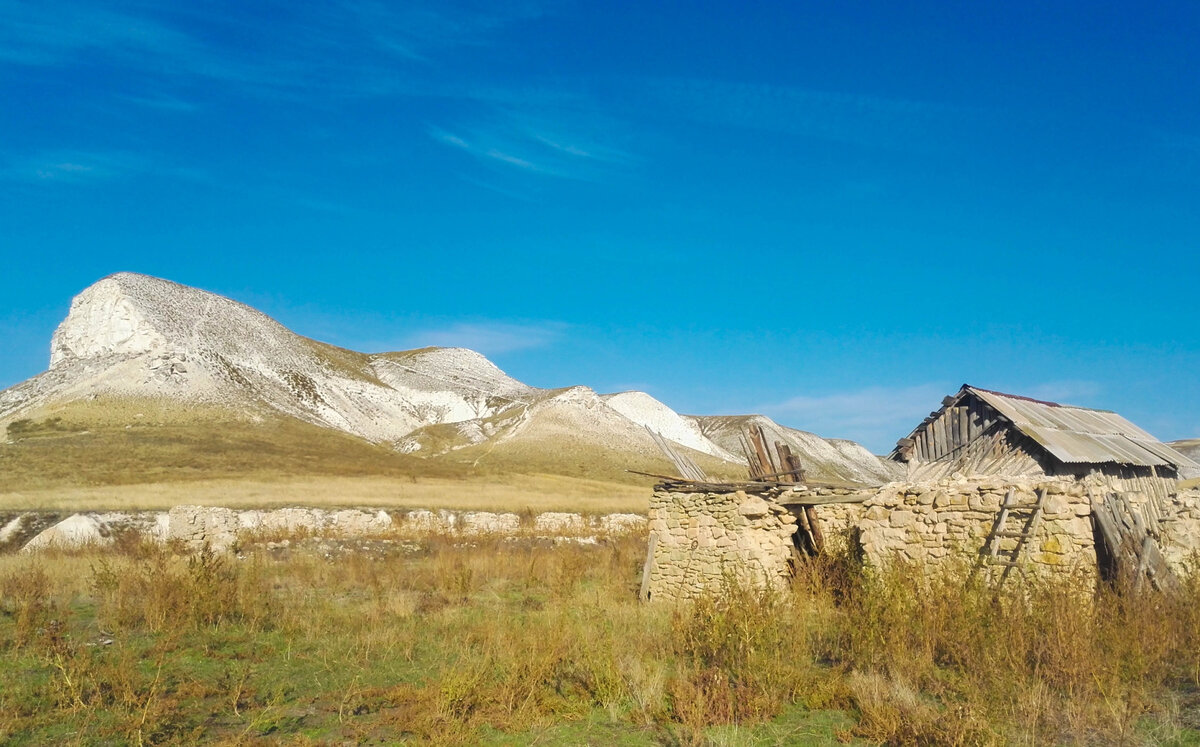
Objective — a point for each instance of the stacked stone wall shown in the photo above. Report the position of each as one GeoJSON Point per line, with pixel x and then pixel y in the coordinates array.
{"type": "Point", "coordinates": [1180, 531]}
{"type": "Point", "coordinates": [948, 522]}
{"type": "Point", "coordinates": [839, 523]}
{"type": "Point", "coordinates": [701, 540]}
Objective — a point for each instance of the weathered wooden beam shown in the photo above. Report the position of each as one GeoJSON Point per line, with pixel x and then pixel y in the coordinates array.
{"type": "Point", "coordinates": [648, 567]}
{"type": "Point", "coordinates": [801, 499]}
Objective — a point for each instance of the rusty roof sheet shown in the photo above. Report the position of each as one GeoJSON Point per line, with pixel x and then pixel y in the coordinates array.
{"type": "Point", "coordinates": [1077, 435]}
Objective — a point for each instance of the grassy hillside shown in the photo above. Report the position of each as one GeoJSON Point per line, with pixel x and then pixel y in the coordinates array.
{"type": "Point", "coordinates": [107, 454]}
{"type": "Point", "coordinates": [123, 443]}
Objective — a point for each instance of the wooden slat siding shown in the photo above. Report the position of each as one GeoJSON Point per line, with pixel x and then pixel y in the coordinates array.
{"type": "Point", "coordinates": [936, 427]}
{"type": "Point", "coordinates": [1137, 555]}
{"type": "Point", "coordinates": [949, 430]}
{"type": "Point", "coordinates": [964, 426]}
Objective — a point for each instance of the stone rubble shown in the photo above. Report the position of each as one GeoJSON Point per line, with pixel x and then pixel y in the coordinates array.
{"type": "Point", "coordinates": [220, 529]}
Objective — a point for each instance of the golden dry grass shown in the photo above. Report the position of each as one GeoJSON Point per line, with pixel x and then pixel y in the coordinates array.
{"type": "Point", "coordinates": [148, 455]}
{"type": "Point", "coordinates": [517, 643]}
{"type": "Point", "coordinates": [508, 493]}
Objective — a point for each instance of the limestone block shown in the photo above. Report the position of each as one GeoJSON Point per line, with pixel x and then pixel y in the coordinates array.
{"type": "Point", "coordinates": [78, 530]}
{"type": "Point", "coordinates": [876, 513]}
{"type": "Point", "coordinates": [753, 507]}
{"type": "Point", "coordinates": [293, 520]}
{"type": "Point", "coordinates": [888, 500]}
{"type": "Point", "coordinates": [1055, 505]}
{"type": "Point", "coordinates": [486, 522]}
{"type": "Point", "coordinates": [353, 523]}
{"type": "Point", "coordinates": [902, 518]}
{"type": "Point", "coordinates": [195, 526]}
{"type": "Point", "coordinates": [559, 521]}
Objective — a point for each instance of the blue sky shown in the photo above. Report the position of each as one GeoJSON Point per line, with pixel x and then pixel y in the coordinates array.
{"type": "Point", "coordinates": [832, 213]}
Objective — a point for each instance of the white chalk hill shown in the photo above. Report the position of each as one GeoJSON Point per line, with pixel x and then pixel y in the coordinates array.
{"type": "Point", "coordinates": [135, 339]}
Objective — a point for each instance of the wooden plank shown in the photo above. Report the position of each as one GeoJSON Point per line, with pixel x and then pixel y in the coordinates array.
{"type": "Point", "coordinates": [751, 457]}
{"type": "Point", "coordinates": [800, 499]}
{"type": "Point", "coordinates": [814, 528]}
{"type": "Point", "coordinates": [805, 532]}
{"type": "Point", "coordinates": [648, 567]}
{"type": "Point", "coordinates": [1143, 563]}
{"type": "Point", "coordinates": [785, 468]}
{"type": "Point", "coordinates": [964, 426]}
{"type": "Point", "coordinates": [760, 449]}
{"type": "Point", "coordinates": [794, 464]}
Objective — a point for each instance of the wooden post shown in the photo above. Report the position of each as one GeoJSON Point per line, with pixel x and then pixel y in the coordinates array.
{"type": "Point", "coordinates": [648, 567]}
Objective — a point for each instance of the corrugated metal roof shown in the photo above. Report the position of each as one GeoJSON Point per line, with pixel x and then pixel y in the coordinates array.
{"type": "Point", "coordinates": [1077, 435]}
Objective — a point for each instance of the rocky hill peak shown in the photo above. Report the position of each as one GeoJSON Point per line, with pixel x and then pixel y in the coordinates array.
{"type": "Point", "coordinates": [127, 314]}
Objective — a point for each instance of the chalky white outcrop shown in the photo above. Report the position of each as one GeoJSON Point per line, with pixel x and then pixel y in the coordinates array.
{"type": "Point", "coordinates": [135, 336]}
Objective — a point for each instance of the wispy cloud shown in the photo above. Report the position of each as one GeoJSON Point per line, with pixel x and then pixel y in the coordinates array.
{"type": "Point", "coordinates": [352, 47]}
{"type": "Point", "coordinates": [859, 118]}
{"type": "Point", "coordinates": [55, 34]}
{"type": "Point", "coordinates": [72, 167]}
{"type": "Point", "coordinates": [492, 338]}
{"type": "Point", "coordinates": [562, 142]}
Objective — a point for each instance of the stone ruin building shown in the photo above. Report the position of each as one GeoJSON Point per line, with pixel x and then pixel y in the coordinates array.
{"type": "Point", "coordinates": [998, 482]}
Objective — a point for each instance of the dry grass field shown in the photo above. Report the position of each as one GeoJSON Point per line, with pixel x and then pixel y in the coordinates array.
{"type": "Point", "coordinates": [522, 493]}
{"type": "Point", "coordinates": [123, 456]}
{"type": "Point", "coordinates": [519, 642]}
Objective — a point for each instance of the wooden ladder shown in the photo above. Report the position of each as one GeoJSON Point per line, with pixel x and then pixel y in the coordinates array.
{"type": "Point", "coordinates": [992, 554]}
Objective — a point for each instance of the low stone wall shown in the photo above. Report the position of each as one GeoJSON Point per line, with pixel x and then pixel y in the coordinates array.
{"type": "Point", "coordinates": [839, 524]}
{"type": "Point", "coordinates": [700, 539]}
{"type": "Point", "coordinates": [947, 523]}
{"type": "Point", "coordinates": [194, 527]}
{"type": "Point", "coordinates": [1179, 531]}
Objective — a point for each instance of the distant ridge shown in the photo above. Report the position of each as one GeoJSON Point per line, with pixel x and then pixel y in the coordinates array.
{"type": "Point", "coordinates": [133, 344]}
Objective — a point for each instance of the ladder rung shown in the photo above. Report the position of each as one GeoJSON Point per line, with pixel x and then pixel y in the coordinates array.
{"type": "Point", "coordinates": [1022, 535]}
